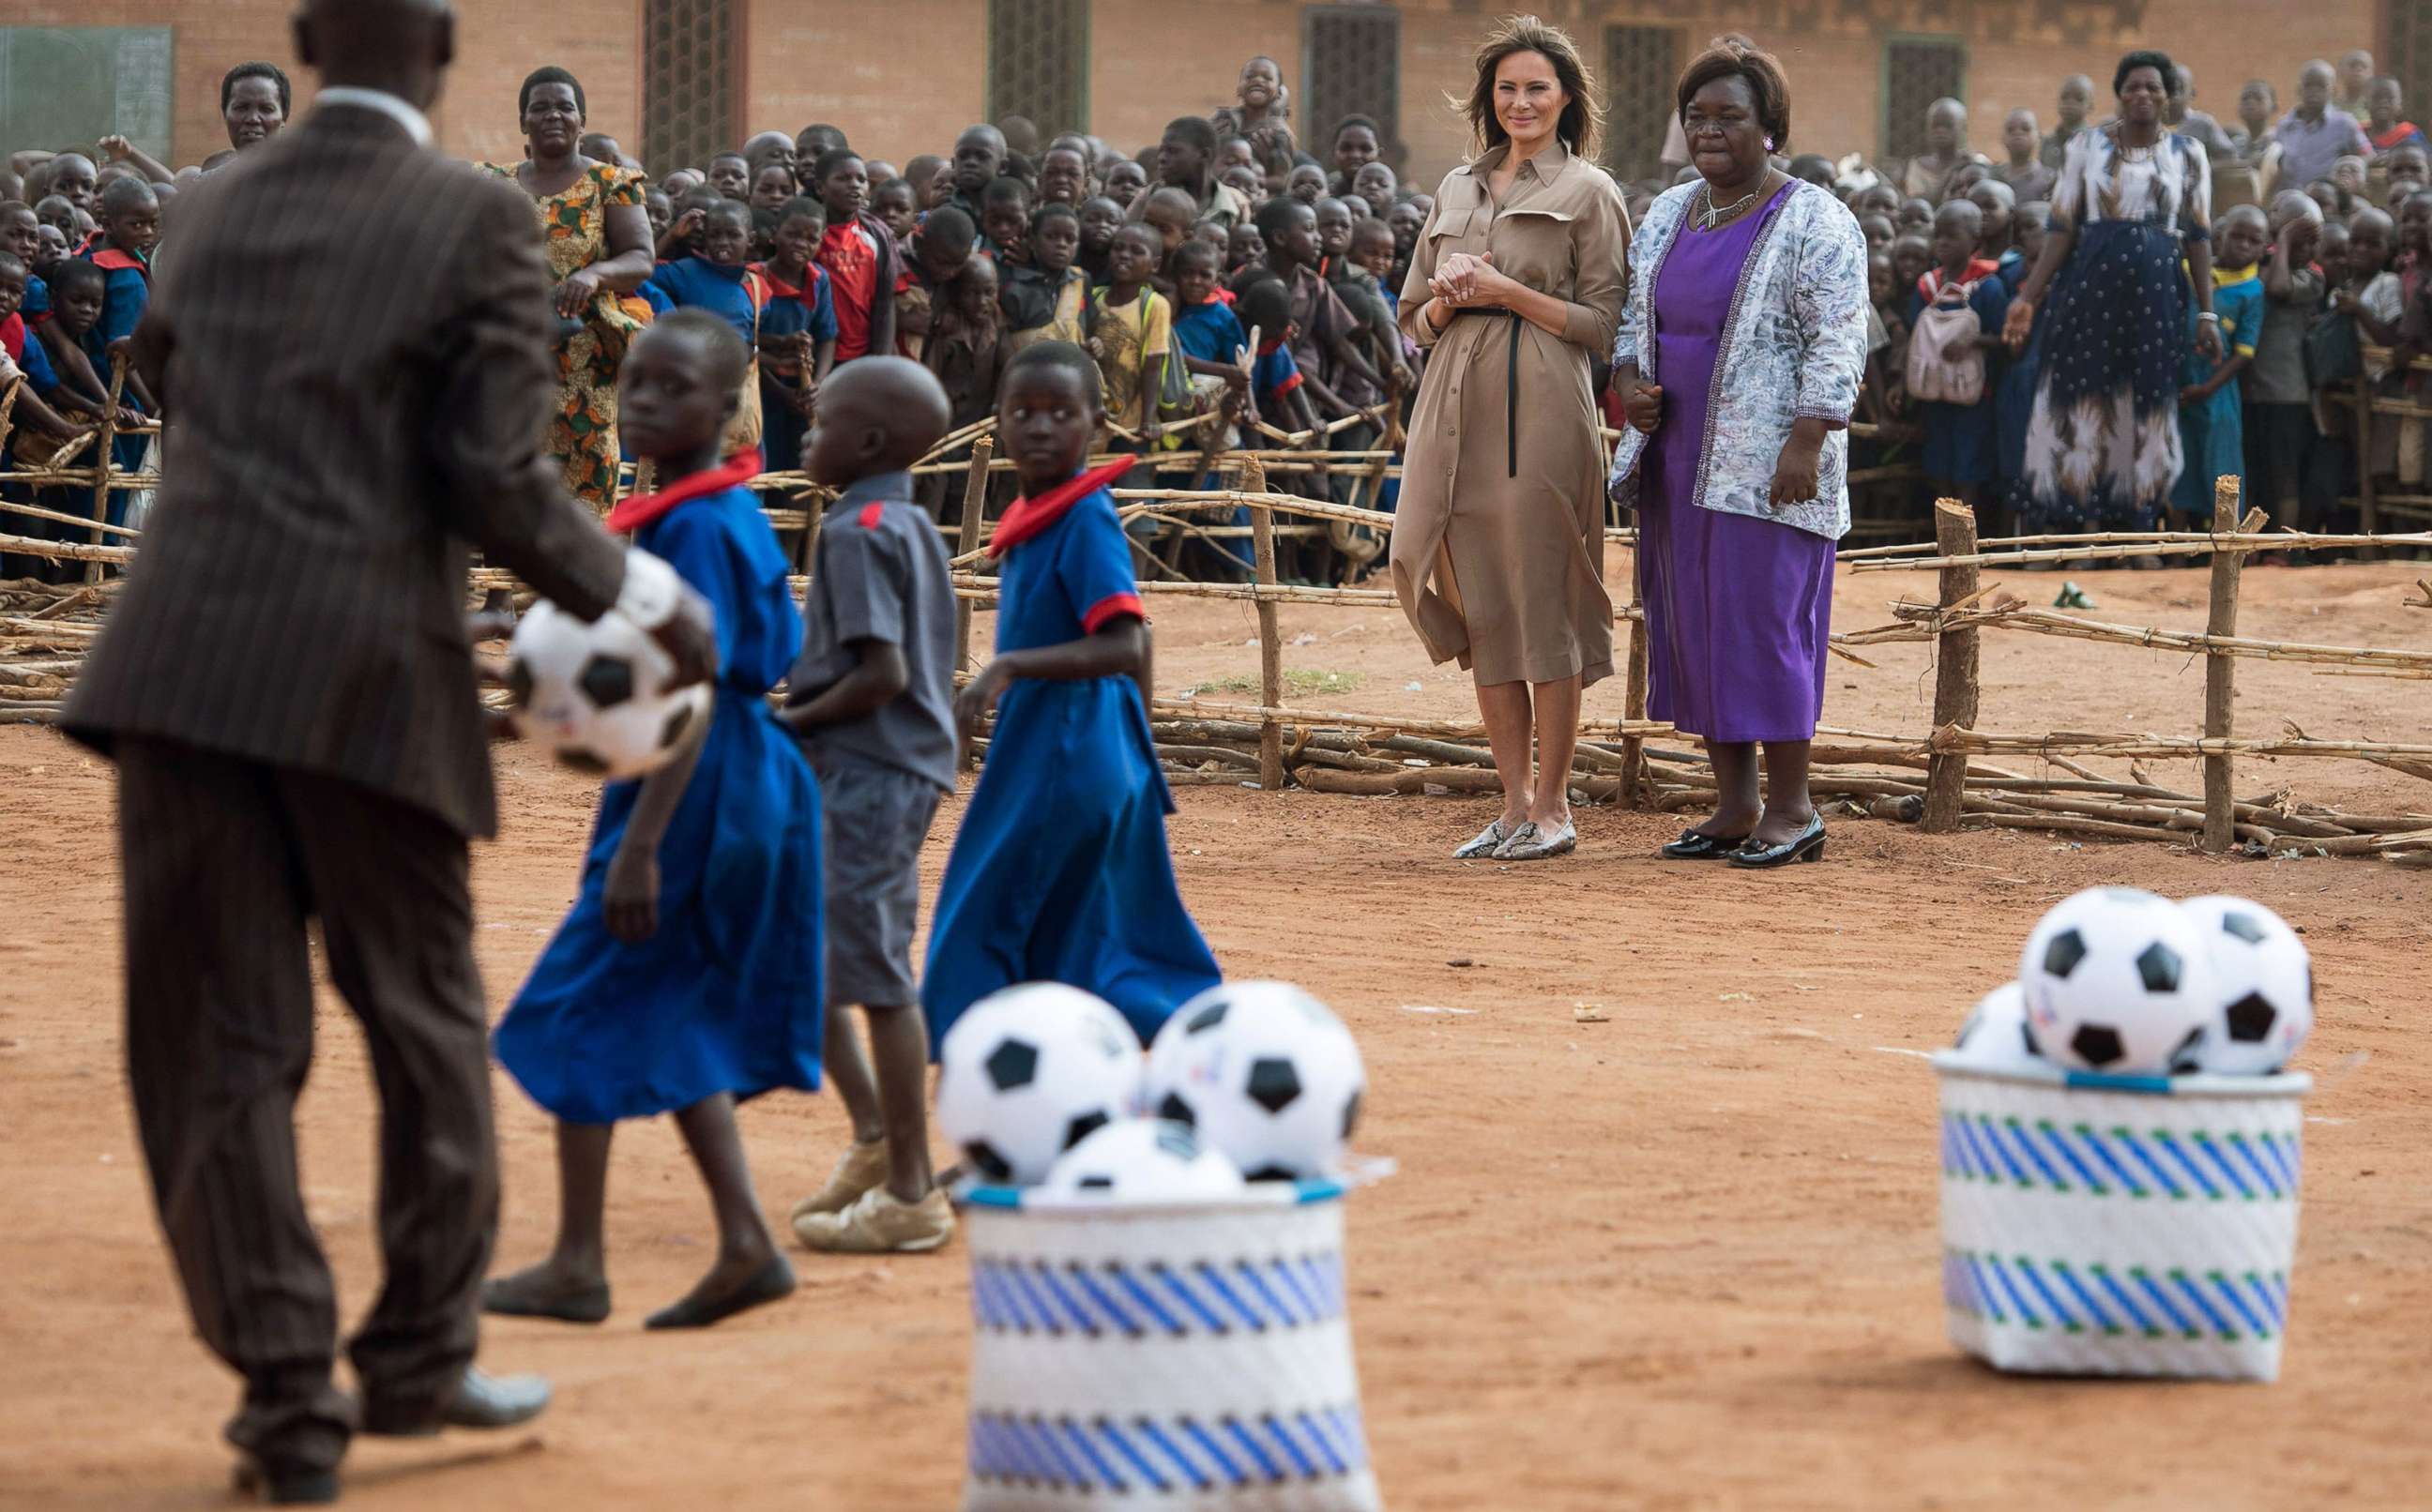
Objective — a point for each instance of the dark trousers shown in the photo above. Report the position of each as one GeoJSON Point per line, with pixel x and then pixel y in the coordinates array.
{"type": "Point", "coordinates": [226, 861]}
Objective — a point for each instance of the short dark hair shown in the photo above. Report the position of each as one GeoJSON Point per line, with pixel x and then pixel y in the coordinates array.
{"type": "Point", "coordinates": [829, 162]}
{"type": "Point", "coordinates": [128, 193]}
{"type": "Point", "coordinates": [1580, 120]}
{"type": "Point", "coordinates": [822, 131]}
{"type": "Point", "coordinates": [1054, 210]}
{"type": "Point", "coordinates": [229, 81]}
{"type": "Point", "coordinates": [1195, 129]}
{"type": "Point", "coordinates": [68, 271]}
{"type": "Point", "coordinates": [1064, 358]}
{"type": "Point", "coordinates": [891, 186]}
{"type": "Point", "coordinates": [729, 206]}
{"type": "Point", "coordinates": [1004, 190]}
{"type": "Point", "coordinates": [1270, 216]}
{"type": "Point", "coordinates": [949, 222]}
{"type": "Point", "coordinates": [1266, 303]}
{"type": "Point", "coordinates": [1736, 57]}
{"type": "Point", "coordinates": [731, 360]}
{"type": "Point", "coordinates": [1198, 250]}
{"type": "Point", "coordinates": [552, 74]}
{"type": "Point", "coordinates": [2152, 58]}
{"type": "Point", "coordinates": [1369, 122]}
{"type": "Point", "coordinates": [802, 206]}
{"type": "Point", "coordinates": [716, 158]}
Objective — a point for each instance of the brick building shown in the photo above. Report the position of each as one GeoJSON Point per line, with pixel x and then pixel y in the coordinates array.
{"type": "Point", "coordinates": [671, 78]}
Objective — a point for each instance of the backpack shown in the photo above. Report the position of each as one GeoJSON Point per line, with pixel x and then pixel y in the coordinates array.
{"type": "Point", "coordinates": [1945, 365]}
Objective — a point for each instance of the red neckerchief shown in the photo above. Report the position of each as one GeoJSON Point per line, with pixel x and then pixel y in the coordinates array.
{"type": "Point", "coordinates": [111, 259]}
{"type": "Point", "coordinates": [2395, 135]}
{"type": "Point", "coordinates": [12, 337]}
{"type": "Point", "coordinates": [1931, 283]}
{"type": "Point", "coordinates": [1030, 517]}
{"type": "Point", "coordinates": [641, 509]}
{"type": "Point", "coordinates": [782, 290]}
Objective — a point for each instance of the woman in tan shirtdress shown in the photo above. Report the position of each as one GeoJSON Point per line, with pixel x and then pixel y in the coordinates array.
{"type": "Point", "coordinates": [1498, 545]}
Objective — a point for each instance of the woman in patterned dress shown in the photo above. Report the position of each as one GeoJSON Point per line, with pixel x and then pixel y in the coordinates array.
{"type": "Point", "coordinates": [599, 239]}
{"type": "Point", "coordinates": [2133, 210]}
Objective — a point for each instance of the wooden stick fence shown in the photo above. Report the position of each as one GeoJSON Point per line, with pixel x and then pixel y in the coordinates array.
{"type": "Point", "coordinates": [1946, 779]}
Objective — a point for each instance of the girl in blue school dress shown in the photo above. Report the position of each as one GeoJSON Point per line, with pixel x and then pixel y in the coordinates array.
{"type": "Point", "coordinates": [1060, 872]}
{"type": "Point", "coordinates": [688, 976]}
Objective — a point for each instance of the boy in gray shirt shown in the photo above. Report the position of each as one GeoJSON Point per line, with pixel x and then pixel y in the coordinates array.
{"type": "Point", "coordinates": [872, 701]}
{"type": "Point", "coordinates": [2281, 445]}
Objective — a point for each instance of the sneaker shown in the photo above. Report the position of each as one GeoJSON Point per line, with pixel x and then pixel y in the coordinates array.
{"type": "Point", "coordinates": [858, 1169]}
{"type": "Point", "coordinates": [879, 1222]}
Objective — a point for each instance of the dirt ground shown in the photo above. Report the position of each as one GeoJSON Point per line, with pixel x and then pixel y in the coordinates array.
{"type": "Point", "coordinates": [1686, 1257]}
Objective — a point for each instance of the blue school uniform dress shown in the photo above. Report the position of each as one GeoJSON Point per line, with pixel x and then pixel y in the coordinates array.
{"type": "Point", "coordinates": [728, 995]}
{"type": "Point", "coordinates": [126, 293]}
{"type": "Point", "coordinates": [791, 312]}
{"type": "Point", "coordinates": [1961, 440]}
{"type": "Point", "coordinates": [1210, 332]}
{"type": "Point", "coordinates": [728, 292]}
{"type": "Point", "coordinates": [2212, 435]}
{"type": "Point", "coordinates": [1061, 871]}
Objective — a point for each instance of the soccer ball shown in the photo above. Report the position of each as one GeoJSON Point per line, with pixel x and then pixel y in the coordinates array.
{"type": "Point", "coordinates": [1144, 1162]}
{"type": "Point", "coordinates": [1996, 1034]}
{"type": "Point", "coordinates": [2263, 985]}
{"type": "Point", "coordinates": [1027, 1074]}
{"type": "Point", "coordinates": [2119, 981]}
{"type": "Point", "coordinates": [1265, 1073]}
{"type": "Point", "coordinates": [597, 694]}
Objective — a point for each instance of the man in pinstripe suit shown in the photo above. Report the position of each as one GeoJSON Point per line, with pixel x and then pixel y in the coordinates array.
{"type": "Point", "coordinates": [351, 339]}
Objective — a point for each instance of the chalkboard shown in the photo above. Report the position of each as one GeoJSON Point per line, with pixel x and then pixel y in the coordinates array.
{"type": "Point", "coordinates": [71, 86]}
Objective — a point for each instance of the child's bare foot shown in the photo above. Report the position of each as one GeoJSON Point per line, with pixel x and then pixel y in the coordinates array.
{"type": "Point", "coordinates": [741, 1281]}
{"type": "Point", "coordinates": [555, 1290]}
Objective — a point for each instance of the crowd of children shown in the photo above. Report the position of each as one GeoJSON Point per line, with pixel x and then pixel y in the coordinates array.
{"type": "Point", "coordinates": [1156, 264]}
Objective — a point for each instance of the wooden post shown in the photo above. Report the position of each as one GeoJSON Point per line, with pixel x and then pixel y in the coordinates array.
{"type": "Point", "coordinates": [2367, 503]}
{"type": "Point", "coordinates": [1954, 681]}
{"type": "Point", "coordinates": [106, 459]}
{"type": "Point", "coordinates": [1271, 646]}
{"type": "Point", "coordinates": [974, 509]}
{"type": "Point", "coordinates": [1633, 705]}
{"type": "Point", "coordinates": [2221, 672]}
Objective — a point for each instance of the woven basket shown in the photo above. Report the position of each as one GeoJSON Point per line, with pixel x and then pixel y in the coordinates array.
{"type": "Point", "coordinates": [2101, 1225]}
{"type": "Point", "coordinates": [1180, 1358]}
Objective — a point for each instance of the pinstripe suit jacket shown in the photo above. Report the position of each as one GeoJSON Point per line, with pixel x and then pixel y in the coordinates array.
{"type": "Point", "coordinates": [351, 339]}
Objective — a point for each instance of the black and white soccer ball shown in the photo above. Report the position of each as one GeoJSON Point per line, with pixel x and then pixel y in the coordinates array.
{"type": "Point", "coordinates": [1143, 1163]}
{"type": "Point", "coordinates": [2263, 986]}
{"type": "Point", "coordinates": [2118, 980]}
{"type": "Point", "coordinates": [597, 695]}
{"type": "Point", "coordinates": [1997, 1036]}
{"type": "Point", "coordinates": [1265, 1073]}
{"type": "Point", "coordinates": [1031, 1071]}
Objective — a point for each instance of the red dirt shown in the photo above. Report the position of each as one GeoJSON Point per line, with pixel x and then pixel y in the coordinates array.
{"type": "Point", "coordinates": [1683, 1258]}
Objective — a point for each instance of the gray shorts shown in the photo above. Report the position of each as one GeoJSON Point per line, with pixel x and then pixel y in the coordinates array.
{"type": "Point", "coordinates": [873, 820]}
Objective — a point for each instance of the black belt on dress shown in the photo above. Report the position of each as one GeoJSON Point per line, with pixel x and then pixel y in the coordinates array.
{"type": "Point", "coordinates": [1510, 385]}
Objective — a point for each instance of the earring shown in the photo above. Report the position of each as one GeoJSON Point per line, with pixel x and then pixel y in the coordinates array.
{"type": "Point", "coordinates": [1768, 144]}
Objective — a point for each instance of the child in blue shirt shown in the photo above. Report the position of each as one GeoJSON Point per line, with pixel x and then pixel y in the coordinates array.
{"type": "Point", "coordinates": [798, 333]}
{"type": "Point", "coordinates": [1962, 444]}
{"type": "Point", "coordinates": [719, 279]}
{"type": "Point", "coordinates": [1061, 871]}
{"type": "Point", "coordinates": [687, 977]}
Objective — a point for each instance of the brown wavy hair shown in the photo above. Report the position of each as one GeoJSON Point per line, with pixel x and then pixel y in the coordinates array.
{"type": "Point", "coordinates": [1581, 119]}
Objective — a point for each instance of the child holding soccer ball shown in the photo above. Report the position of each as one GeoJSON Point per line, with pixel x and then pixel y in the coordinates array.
{"type": "Point", "coordinates": [688, 976]}
{"type": "Point", "coordinates": [1061, 873]}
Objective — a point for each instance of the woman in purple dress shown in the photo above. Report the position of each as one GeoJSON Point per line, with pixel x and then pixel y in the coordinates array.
{"type": "Point", "coordinates": [1739, 356]}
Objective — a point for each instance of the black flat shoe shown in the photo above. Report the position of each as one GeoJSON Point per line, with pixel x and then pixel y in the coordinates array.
{"type": "Point", "coordinates": [502, 1297]}
{"type": "Point", "coordinates": [280, 1486]}
{"type": "Point", "coordinates": [1807, 845]}
{"type": "Point", "coordinates": [1692, 846]}
{"type": "Point", "coordinates": [773, 1282]}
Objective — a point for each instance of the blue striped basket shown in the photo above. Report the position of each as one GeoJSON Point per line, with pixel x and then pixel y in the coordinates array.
{"type": "Point", "coordinates": [2110, 1225]}
{"type": "Point", "coordinates": [1172, 1357]}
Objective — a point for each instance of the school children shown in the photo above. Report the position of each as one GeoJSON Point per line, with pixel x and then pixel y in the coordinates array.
{"type": "Point", "coordinates": [1047, 298]}
{"type": "Point", "coordinates": [2281, 455]}
{"type": "Point", "coordinates": [872, 699]}
{"type": "Point", "coordinates": [967, 349]}
{"type": "Point", "coordinates": [2211, 435]}
{"type": "Point", "coordinates": [1133, 331]}
{"type": "Point", "coordinates": [798, 333]}
{"type": "Point", "coordinates": [719, 279]}
{"type": "Point", "coordinates": [1952, 372]}
{"type": "Point", "coordinates": [1060, 871]}
{"type": "Point", "coordinates": [688, 974]}
{"type": "Point", "coordinates": [1004, 221]}
{"type": "Point", "coordinates": [860, 255]}
{"type": "Point", "coordinates": [940, 250]}
{"type": "Point", "coordinates": [1099, 218]}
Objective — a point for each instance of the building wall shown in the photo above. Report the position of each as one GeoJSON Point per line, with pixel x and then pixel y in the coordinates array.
{"type": "Point", "coordinates": [1153, 60]}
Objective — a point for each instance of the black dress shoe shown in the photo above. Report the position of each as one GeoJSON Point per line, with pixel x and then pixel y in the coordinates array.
{"type": "Point", "coordinates": [1694, 846]}
{"type": "Point", "coordinates": [276, 1486]}
{"type": "Point", "coordinates": [1807, 845]}
{"type": "Point", "coordinates": [484, 1402]}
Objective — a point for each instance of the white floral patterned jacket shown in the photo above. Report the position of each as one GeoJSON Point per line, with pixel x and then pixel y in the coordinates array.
{"type": "Point", "coordinates": [1795, 347]}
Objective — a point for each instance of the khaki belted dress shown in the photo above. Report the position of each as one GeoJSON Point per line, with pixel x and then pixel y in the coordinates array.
{"type": "Point", "coordinates": [1498, 542]}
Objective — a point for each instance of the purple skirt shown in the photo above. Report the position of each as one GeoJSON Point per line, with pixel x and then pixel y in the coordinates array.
{"type": "Point", "coordinates": [1739, 609]}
